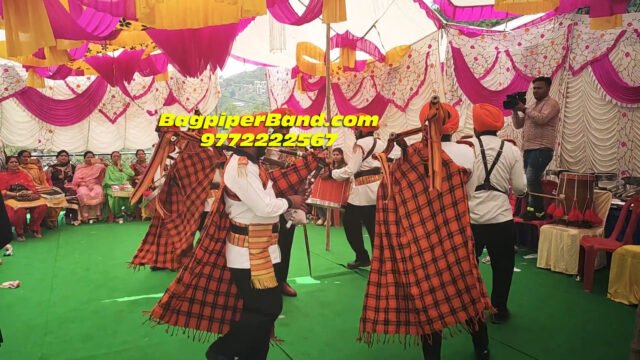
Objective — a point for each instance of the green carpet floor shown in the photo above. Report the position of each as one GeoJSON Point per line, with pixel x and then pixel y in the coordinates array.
{"type": "Point", "coordinates": [78, 300]}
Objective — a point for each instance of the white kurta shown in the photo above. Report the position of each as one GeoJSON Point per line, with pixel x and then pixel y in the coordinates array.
{"type": "Point", "coordinates": [257, 206]}
{"type": "Point", "coordinates": [464, 156]}
{"type": "Point", "coordinates": [492, 207]}
{"type": "Point", "coordinates": [361, 195]}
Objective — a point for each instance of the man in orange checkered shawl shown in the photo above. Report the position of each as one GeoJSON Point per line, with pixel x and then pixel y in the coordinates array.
{"type": "Point", "coordinates": [230, 285]}
{"type": "Point", "coordinates": [424, 274]}
{"type": "Point", "coordinates": [168, 243]}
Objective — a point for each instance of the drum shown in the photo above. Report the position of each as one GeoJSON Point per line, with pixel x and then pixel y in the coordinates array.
{"type": "Point", "coordinates": [555, 172]}
{"type": "Point", "coordinates": [577, 190]}
{"type": "Point", "coordinates": [329, 193]}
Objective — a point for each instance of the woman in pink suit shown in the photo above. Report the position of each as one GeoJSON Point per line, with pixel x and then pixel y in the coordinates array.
{"type": "Point", "coordinates": [87, 181]}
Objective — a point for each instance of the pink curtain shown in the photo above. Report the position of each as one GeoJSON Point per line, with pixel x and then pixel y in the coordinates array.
{"type": "Point", "coordinates": [309, 86]}
{"type": "Point", "coordinates": [117, 71]}
{"type": "Point", "coordinates": [153, 65]}
{"type": "Point", "coordinates": [282, 11]}
{"type": "Point", "coordinates": [191, 51]}
{"type": "Point", "coordinates": [118, 8]}
{"type": "Point", "coordinates": [349, 41]}
{"type": "Point", "coordinates": [91, 25]}
{"type": "Point", "coordinates": [430, 13]}
{"type": "Point", "coordinates": [469, 13]}
{"type": "Point", "coordinates": [57, 72]}
{"type": "Point", "coordinates": [377, 106]}
{"type": "Point", "coordinates": [613, 84]}
{"type": "Point", "coordinates": [63, 112]}
{"type": "Point", "coordinates": [315, 108]}
{"type": "Point", "coordinates": [478, 93]}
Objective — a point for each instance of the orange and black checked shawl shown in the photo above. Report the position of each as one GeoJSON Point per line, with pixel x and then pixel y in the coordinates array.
{"type": "Point", "coordinates": [202, 299]}
{"type": "Point", "coordinates": [169, 240]}
{"type": "Point", "coordinates": [424, 275]}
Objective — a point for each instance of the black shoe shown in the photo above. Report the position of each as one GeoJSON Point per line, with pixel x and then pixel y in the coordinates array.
{"type": "Point", "coordinates": [483, 354]}
{"type": "Point", "coordinates": [212, 355]}
{"type": "Point", "coordinates": [500, 317]}
{"type": "Point", "coordinates": [359, 264]}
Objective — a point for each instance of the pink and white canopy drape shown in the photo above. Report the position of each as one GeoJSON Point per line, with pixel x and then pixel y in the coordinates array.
{"type": "Point", "coordinates": [82, 113]}
{"type": "Point", "coordinates": [595, 75]}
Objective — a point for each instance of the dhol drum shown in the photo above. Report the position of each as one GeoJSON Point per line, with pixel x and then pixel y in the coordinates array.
{"type": "Point", "coordinates": [555, 173]}
{"type": "Point", "coordinates": [329, 193]}
{"type": "Point", "coordinates": [577, 190]}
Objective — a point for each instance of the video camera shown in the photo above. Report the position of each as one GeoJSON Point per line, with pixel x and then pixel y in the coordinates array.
{"type": "Point", "coordinates": [512, 100]}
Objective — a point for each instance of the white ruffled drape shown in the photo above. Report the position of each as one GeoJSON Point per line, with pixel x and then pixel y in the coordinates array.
{"type": "Point", "coordinates": [135, 129]}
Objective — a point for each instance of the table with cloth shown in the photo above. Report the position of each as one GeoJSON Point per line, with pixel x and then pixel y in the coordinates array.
{"type": "Point", "coordinates": [624, 276]}
{"type": "Point", "coordinates": [559, 245]}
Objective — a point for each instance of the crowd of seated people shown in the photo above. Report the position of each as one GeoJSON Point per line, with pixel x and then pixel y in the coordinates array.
{"type": "Point", "coordinates": [93, 190]}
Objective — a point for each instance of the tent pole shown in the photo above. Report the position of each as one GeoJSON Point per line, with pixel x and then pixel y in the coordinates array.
{"type": "Point", "coordinates": [327, 61]}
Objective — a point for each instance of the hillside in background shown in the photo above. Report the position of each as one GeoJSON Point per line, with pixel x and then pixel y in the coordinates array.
{"type": "Point", "coordinates": [244, 93]}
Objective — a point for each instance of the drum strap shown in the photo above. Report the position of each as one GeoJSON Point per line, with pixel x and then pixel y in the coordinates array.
{"type": "Point", "coordinates": [370, 152]}
{"type": "Point", "coordinates": [486, 185]}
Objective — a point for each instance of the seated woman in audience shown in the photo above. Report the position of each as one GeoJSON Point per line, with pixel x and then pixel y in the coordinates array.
{"type": "Point", "coordinates": [20, 195]}
{"type": "Point", "coordinates": [118, 180]}
{"type": "Point", "coordinates": [34, 168]}
{"type": "Point", "coordinates": [61, 175]}
{"type": "Point", "coordinates": [87, 182]}
{"type": "Point", "coordinates": [139, 166]}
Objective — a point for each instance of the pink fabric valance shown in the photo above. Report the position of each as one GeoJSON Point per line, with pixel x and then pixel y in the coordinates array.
{"type": "Point", "coordinates": [63, 112]}
{"type": "Point", "coordinates": [377, 106]}
{"type": "Point", "coordinates": [476, 91]}
{"type": "Point", "coordinates": [192, 51]}
{"type": "Point", "coordinates": [349, 41]}
{"type": "Point", "coordinates": [614, 85]}
{"type": "Point", "coordinates": [282, 11]}
{"type": "Point", "coordinates": [118, 8]}
{"type": "Point", "coordinates": [469, 13]}
{"type": "Point", "coordinates": [91, 25]}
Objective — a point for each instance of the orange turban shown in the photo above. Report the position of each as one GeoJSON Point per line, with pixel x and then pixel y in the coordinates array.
{"type": "Point", "coordinates": [255, 130]}
{"type": "Point", "coordinates": [487, 117]}
{"type": "Point", "coordinates": [366, 129]}
{"type": "Point", "coordinates": [452, 121]}
{"type": "Point", "coordinates": [283, 111]}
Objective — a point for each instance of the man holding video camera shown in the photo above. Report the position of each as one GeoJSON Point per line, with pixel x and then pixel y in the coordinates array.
{"type": "Point", "coordinates": [540, 122]}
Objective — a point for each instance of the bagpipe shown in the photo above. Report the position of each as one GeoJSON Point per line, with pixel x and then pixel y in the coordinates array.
{"type": "Point", "coordinates": [171, 139]}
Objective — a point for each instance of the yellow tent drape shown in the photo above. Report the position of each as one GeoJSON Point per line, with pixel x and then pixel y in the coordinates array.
{"type": "Point", "coordinates": [395, 55]}
{"type": "Point", "coordinates": [526, 7]}
{"type": "Point", "coordinates": [311, 59]}
{"type": "Point", "coordinates": [53, 56]}
{"type": "Point", "coordinates": [81, 65]}
{"type": "Point", "coordinates": [334, 11]}
{"type": "Point", "coordinates": [348, 57]}
{"type": "Point", "coordinates": [163, 76]}
{"type": "Point", "coordinates": [27, 27]}
{"type": "Point", "coordinates": [34, 80]}
{"type": "Point", "coordinates": [183, 14]}
{"type": "Point", "coordinates": [606, 22]}
{"type": "Point", "coordinates": [306, 51]}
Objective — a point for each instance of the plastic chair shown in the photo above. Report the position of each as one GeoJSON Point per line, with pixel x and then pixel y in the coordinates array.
{"type": "Point", "coordinates": [549, 187]}
{"type": "Point", "coordinates": [590, 246]}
